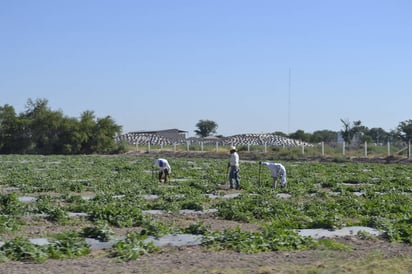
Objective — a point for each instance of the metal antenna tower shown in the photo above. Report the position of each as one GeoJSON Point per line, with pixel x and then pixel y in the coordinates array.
{"type": "Point", "coordinates": [289, 101]}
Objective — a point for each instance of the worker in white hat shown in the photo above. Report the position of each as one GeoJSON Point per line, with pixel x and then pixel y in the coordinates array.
{"type": "Point", "coordinates": [234, 168]}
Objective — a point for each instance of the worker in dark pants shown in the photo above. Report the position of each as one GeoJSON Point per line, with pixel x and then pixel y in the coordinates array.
{"type": "Point", "coordinates": [164, 169]}
{"type": "Point", "coordinates": [234, 168]}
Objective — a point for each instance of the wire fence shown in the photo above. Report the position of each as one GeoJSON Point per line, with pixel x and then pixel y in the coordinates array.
{"type": "Point", "coordinates": [367, 150]}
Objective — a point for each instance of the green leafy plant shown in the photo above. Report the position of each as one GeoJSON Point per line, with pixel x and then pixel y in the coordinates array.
{"type": "Point", "coordinates": [133, 247]}
{"type": "Point", "coordinates": [285, 239]}
{"type": "Point", "coordinates": [234, 210]}
{"type": "Point", "coordinates": [57, 214]}
{"type": "Point", "coordinates": [118, 214]}
{"type": "Point", "coordinates": [192, 204]}
{"type": "Point", "coordinates": [404, 229]}
{"type": "Point", "coordinates": [21, 249]}
{"type": "Point", "coordinates": [253, 242]}
{"type": "Point", "coordinates": [332, 245]}
{"type": "Point", "coordinates": [101, 232]}
{"type": "Point", "coordinates": [9, 223]}
{"type": "Point", "coordinates": [197, 229]}
{"type": "Point", "coordinates": [68, 245]}
{"type": "Point", "coordinates": [10, 205]}
{"type": "Point", "coordinates": [155, 228]}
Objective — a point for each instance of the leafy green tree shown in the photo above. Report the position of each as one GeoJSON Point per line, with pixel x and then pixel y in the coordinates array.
{"type": "Point", "coordinates": [13, 133]}
{"type": "Point", "coordinates": [361, 132]}
{"type": "Point", "coordinates": [364, 134]}
{"type": "Point", "coordinates": [45, 126]}
{"type": "Point", "coordinates": [349, 131]}
{"type": "Point", "coordinates": [43, 131]}
{"type": "Point", "coordinates": [97, 134]}
{"type": "Point", "coordinates": [395, 138]}
{"type": "Point", "coordinates": [300, 135]}
{"type": "Point", "coordinates": [106, 131]}
{"type": "Point", "coordinates": [346, 132]}
{"type": "Point", "coordinates": [378, 135]}
{"type": "Point", "coordinates": [404, 130]}
{"type": "Point", "coordinates": [205, 128]}
{"type": "Point", "coordinates": [87, 129]}
{"type": "Point", "coordinates": [326, 136]}
{"type": "Point", "coordinates": [69, 137]}
{"type": "Point", "coordinates": [280, 133]}
{"type": "Point", "coordinates": [7, 124]}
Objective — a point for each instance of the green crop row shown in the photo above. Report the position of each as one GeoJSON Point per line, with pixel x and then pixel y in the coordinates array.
{"type": "Point", "coordinates": [112, 193]}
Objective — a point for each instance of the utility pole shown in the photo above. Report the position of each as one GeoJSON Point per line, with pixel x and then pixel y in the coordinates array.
{"type": "Point", "coordinates": [289, 101]}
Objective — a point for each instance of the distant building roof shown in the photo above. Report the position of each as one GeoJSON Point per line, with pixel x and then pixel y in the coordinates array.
{"type": "Point", "coordinates": [165, 135]}
{"type": "Point", "coordinates": [173, 130]}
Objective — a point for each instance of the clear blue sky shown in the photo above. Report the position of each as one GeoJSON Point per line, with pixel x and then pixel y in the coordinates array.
{"type": "Point", "coordinates": [160, 64]}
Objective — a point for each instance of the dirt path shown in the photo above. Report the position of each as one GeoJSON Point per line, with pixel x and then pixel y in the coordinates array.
{"type": "Point", "coordinates": [199, 260]}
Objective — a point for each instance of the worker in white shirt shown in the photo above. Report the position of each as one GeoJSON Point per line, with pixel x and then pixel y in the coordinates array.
{"type": "Point", "coordinates": [234, 168]}
{"type": "Point", "coordinates": [276, 170]}
{"type": "Point", "coordinates": [164, 169]}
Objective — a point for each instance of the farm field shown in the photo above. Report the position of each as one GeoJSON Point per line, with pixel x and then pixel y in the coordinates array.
{"type": "Point", "coordinates": [109, 214]}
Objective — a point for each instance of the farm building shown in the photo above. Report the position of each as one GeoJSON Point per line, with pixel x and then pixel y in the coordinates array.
{"type": "Point", "coordinates": [157, 137]}
{"type": "Point", "coordinates": [175, 136]}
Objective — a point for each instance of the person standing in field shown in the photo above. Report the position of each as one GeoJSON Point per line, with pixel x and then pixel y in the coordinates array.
{"type": "Point", "coordinates": [164, 169]}
{"type": "Point", "coordinates": [276, 170]}
{"type": "Point", "coordinates": [234, 168]}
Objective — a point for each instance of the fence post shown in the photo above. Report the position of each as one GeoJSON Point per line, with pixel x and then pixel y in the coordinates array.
{"type": "Point", "coordinates": [137, 146]}
{"type": "Point", "coordinates": [187, 146]}
{"type": "Point", "coordinates": [265, 148]}
{"type": "Point", "coordinates": [161, 146]}
{"type": "Point", "coordinates": [389, 148]}
{"type": "Point", "coordinates": [343, 148]}
{"type": "Point", "coordinates": [366, 149]}
{"type": "Point", "coordinates": [303, 149]}
{"type": "Point", "coordinates": [409, 148]}
{"type": "Point", "coordinates": [323, 148]}
{"type": "Point", "coordinates": [248, 147]}
{"type": "Point", "coordinates": [174, 147]}
{"type": "Point", "coordinates": [217, 146]}
{"type": "Point", "coordinates": [201, 146]}
{"type": "Point", "coordinates": [148, 146]}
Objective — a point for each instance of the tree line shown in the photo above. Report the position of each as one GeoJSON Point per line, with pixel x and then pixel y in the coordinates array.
{"type": "Point", "coordinates": [352, 132]}
{"type": "Point", "coordinates": [40, 130]}
{"type": "Point", "coordinates": [357, 133]}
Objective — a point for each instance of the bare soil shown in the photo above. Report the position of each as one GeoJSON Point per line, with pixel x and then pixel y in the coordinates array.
{"type": "Point", "coordinates": [197, 259]}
